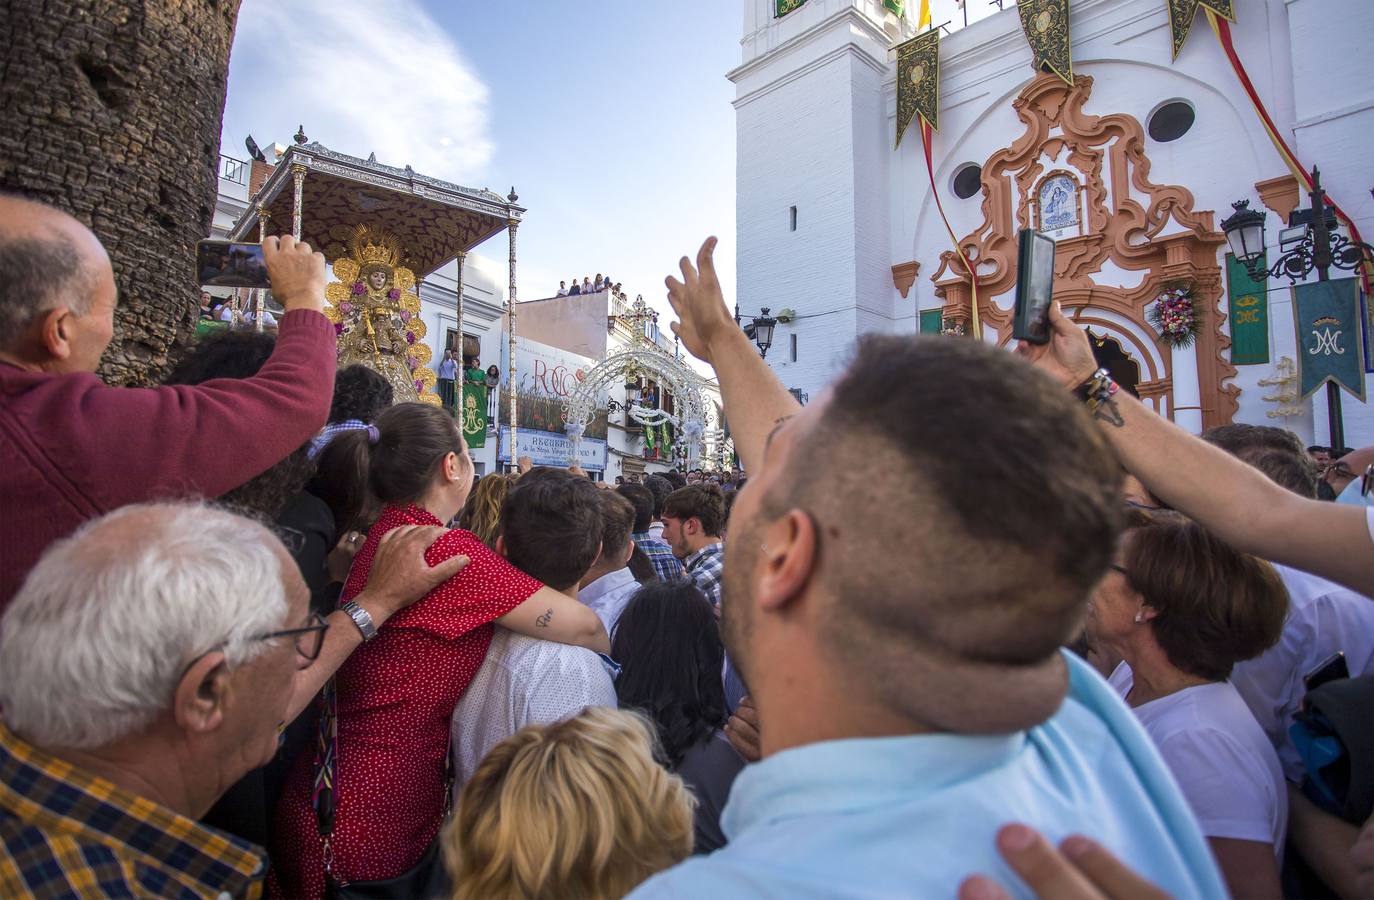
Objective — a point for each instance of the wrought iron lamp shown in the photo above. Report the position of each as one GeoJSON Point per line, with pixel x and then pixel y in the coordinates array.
{"type": "Point", "coordinates": [1318, 247]}
{"type": "Point", "coordinates": [760, 330]}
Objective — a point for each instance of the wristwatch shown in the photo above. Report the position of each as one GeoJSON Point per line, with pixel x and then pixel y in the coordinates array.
{"type": "Point", "coordinates": [362, 618]}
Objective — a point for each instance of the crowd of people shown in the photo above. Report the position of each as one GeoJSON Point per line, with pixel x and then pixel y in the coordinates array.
{"type": "Point", "coordinates": [264, 629]}
{"type": "Point", "coordinates": [590, 286]}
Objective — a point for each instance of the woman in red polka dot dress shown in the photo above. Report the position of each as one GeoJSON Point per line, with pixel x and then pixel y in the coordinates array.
{"type": "Point", "coordinates": [396, 693]}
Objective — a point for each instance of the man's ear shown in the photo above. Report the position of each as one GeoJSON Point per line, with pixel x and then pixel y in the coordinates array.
{"type": "Point", "coordinates": [629, 552]}
{"type": "Point", "coordinates": [201, 694]}
{"type": "Point", "coordinates": [787, 559]}
{"type": "Point", "coordinates": [55, 332]}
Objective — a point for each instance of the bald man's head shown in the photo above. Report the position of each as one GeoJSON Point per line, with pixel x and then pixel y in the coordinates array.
{"type": "Point", "coordinates": [57, 291]}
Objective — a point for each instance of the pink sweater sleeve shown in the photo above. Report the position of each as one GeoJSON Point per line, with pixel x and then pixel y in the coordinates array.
{"type": "Point", "coordinates": [206, 439]}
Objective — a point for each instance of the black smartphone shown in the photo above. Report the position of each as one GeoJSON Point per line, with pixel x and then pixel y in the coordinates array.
{"type": "Point", "coordinates": [1034, 287]}
{"type": "Point", "coordinates": [230, 264]}
{"type": "Point", "coordinates": [1333, 668]}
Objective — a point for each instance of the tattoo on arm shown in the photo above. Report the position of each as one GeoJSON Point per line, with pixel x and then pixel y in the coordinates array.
{"type": "Point", "coordinates": [544, 620]}
{"type": "Point", "coordinates": [1107, 411]}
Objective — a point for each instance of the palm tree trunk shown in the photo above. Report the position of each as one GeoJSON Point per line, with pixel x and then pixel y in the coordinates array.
{"type": "Point", "coordinates": [111, 111]}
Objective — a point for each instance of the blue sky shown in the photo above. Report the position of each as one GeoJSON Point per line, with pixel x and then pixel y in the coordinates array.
{"type": "Point", "coordinates": [611, 118]}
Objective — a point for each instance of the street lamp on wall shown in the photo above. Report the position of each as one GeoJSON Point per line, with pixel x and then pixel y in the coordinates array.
{"type": "Point", "coordinates": [1311, 242]}
{"type": "Point", "coordinates": [760, 329]}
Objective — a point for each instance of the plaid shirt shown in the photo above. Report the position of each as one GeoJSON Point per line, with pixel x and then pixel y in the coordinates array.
{"type": "Point", "coordinates": [706, 567]}
{"type": "Point", "coordinates": [331, 431]}
{"type": "Point", "coordinates": [666, 565]}
{"type": "Point", "coordinates": [67, 833]}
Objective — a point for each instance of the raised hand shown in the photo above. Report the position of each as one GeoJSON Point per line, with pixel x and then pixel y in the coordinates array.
{"type": "Point", "coordinates": [1068, 357]}
{"type": "Point", "coordinates": [296, 273]}
{"type": "Point", "coordinates": [699, 304]}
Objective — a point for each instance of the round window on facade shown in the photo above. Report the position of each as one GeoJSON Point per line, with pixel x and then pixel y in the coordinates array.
{"type": "Point", "coordinates": [968, 181]}
{"type": "Point", "coordinates": [1171, 121]}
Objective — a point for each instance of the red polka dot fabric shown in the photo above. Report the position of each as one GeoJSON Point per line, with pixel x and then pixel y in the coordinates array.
{"type": "Point", "coordinates": [396, 697]}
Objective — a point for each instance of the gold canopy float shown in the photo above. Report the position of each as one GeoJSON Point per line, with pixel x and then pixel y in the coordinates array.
{"type": "Point", "coordinates": [383, 230]}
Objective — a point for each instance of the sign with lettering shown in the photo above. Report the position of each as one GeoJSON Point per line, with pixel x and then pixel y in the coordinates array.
{"type": "Point", "coordinates": [545, 377]}
{"type": "Point", "coordinates": [1330, 334]}
{"type": "Point", "coordinates": [1248, 309]}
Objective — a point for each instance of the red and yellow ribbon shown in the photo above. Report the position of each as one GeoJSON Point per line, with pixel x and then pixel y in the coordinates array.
{"type": "Point", "coordinates": [1222, 29]}
{"type": "Point", "coordinates": [927, 135]}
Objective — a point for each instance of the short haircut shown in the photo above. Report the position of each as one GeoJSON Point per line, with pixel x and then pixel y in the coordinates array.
{"type": "Point", "coordinates": [93, 645]}
{"type": "Point", "coordinates": [1317, 448]}
{"type": "Point", "coordinates": [668, 644]}
{"type": "Point", "coordinates": [359, 393]}
{"type": "Point", "coordinates": [676, 479]}
{"type": "Point", "coordinates": [579, 808]}
{"type": "Point", "coordinates": [551, 526]}
{"type": "Point", "coordinates": [929, 561]}
{"type": "Point", "coordinates": [660, 487]}
{"type": "Point", "coordinates": [1297, 473]}
{"type": "Point", "coordinates": [1215, 605]}
{"type": "Point", "coordinates": [1239, 439]}
{"type": "Point", "coordinates": [238, 355]}
{"type": "Point", "coordinates": [617, 521]}
{"type": "Point", "coordinates": [705, 502]}
{"type": "Point", "coordinates": [643, 501]}
{"type": "Point", "coordinates": [39, 271]}
{"type": "Point", "coordinates": [1276, 452]}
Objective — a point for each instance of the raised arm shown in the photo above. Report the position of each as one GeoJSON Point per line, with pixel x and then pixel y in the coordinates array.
{"type": "Point", "coordinates": [210, 438]}
{"type": "Point", "coordinates": [1233, 500]}
{"type": "Point", "coordinates": [552, 616]}
{"type": "Point", "coordinates": [755, 400]}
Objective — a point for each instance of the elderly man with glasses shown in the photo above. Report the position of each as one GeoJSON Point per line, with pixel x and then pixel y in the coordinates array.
{"type": "Point", "coordinates": [140, 676]}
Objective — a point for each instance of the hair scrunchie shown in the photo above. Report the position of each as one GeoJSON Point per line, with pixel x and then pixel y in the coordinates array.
{"type": "Point", "coordinates": [373, 435]}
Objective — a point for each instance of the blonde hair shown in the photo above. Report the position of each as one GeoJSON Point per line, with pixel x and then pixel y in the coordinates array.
{"type": "Point", "coordinates": [576, 809]}
{"type": "Point", "coordinates": [481, 514]}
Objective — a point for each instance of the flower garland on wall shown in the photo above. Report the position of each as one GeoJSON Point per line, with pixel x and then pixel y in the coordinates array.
{"type": "Point", "coordinates": [1174, 317]}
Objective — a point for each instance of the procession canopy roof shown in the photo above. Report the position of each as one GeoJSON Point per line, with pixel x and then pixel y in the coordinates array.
{"type": "Point", "coordinates": [434, 220]}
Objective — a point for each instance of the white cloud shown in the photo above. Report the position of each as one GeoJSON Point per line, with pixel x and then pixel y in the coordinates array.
{"type": "Point", "coordinates": [363, 76]}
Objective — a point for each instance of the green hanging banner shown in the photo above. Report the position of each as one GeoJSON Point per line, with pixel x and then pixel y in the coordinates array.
{"type": "Point", "coordinates": [1330, 336]}
{"type": "Point", "coordinates": [786, 6]}
{"type": "Point", "coordinates": [474, 414]}
{"type": "Point", "coordinates": [1248, 309]}
{"type": "Point", "coordinates": [1182, 13]}
{"type": "Point", "coordinates": [932, 320]}
{"type": "Point", "coordinates": [894, 6]}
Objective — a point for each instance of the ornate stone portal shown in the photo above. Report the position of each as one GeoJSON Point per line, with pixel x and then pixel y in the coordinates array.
{"type": "Point", "coordinates": [1087, 172]}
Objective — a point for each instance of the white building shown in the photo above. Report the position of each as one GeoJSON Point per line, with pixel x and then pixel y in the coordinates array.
{"type": "Point", "coordinates": [841, 231]}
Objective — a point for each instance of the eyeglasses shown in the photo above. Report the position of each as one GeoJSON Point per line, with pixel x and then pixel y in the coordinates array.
{"type": "Point", "coordinates": [309, 638]}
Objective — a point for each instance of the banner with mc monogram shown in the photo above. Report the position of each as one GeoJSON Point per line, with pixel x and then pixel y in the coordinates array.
{"type": "Point", "coordinates": [473, 414]}
{"type": "Point", "coordinates": [1248, 308]}
{"type": "Point", "coordinates": [1326, 315]}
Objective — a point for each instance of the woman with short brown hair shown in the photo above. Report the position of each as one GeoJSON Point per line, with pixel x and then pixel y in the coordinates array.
{"type": "Point", "coordinates": [1181, 607]}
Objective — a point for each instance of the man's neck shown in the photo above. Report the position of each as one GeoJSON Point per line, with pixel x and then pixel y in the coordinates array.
{"type": "Point", "coordinates": [27, 363]}
{"type": "Point", "coordinates": [147, 770]}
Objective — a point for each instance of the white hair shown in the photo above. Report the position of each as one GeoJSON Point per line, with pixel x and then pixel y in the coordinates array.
{"type": "Point", "coordinates": [94, 644]}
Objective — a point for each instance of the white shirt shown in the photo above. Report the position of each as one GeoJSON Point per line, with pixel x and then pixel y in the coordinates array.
{"type": "Point", "coordinates": [656, 530]}
{"type": "Point", "coordinates": [608, 595]}
{"type": "Point", "coordinates": [523, 681]}
{"type": "Point", "coordinates": [1220, 758]}
{"type": "Point", "coordinates": [1323, 618]}
{"type": "Point", "coordinates": [562, 292]}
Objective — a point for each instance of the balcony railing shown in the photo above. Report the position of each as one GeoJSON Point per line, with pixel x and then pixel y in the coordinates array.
{"type": "Point", "coordinates": [235, 170]}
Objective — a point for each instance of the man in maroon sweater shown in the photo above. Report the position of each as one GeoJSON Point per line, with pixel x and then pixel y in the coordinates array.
{"type": "Point", "coordinates": [73, 448]}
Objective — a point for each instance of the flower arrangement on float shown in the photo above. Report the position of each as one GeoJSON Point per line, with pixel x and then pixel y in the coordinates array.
{"type": "Point", "coordinates": [1174, 316]}
{"type": "Point", "coordinates": [952, 329]}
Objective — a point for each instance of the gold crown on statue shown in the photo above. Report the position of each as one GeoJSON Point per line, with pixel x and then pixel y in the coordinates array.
{"type": "Point", "coordinates": [374, 246]}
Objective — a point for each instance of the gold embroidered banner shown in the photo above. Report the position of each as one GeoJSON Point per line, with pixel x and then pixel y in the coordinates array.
{"type": "Point", "coordinates": [918, 81]}
{"type": "Point", "coordinates": [1046, 24]}
{"type": "Point", "coordinates": [1182, 13]}
{"type": "Point", "coordinates": [786, 6]}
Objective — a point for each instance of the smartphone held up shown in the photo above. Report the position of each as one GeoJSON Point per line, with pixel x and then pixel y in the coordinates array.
{"type": "Point", "coordinates": [1034, 287]}
{"type": "Point", "coordinates": [230, 264]}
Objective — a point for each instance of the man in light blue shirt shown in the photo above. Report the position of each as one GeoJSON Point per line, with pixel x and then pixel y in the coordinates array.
{"type": "Point", "coordinates": [608, 585]}
{"type": "Point", "coordinates": [898, 612]}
